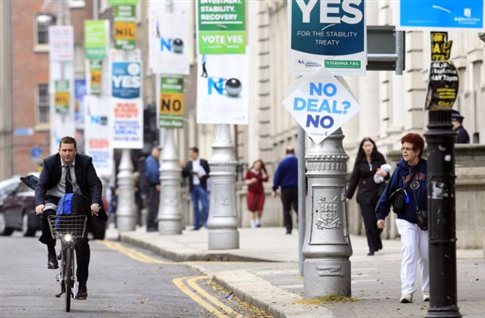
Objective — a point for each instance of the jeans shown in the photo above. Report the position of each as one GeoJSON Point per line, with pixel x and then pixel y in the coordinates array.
{"type": "Point", "coordinates": [200, 203]}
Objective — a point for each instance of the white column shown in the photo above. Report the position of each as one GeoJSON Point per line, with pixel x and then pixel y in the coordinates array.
{"type": "Point", "coordinates": [223, 221]}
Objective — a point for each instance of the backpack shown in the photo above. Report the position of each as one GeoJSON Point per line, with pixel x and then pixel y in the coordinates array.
{"type": "Point", "coordinates": [73, 204]}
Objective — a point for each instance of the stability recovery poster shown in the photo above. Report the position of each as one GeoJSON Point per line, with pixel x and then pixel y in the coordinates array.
{"type": "Point", "coordinates": [221, 26]}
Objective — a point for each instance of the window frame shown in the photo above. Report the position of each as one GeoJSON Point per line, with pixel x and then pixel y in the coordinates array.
{"type": "Point", "coordinates": [44, 104]}
{"type": "Point", "coordinates": [38, 46]}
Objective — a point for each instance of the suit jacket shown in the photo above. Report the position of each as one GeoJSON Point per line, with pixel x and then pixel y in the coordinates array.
{"type": "Point", "coordinates": [188, 172]}
{"type": "Point", "coordinates": [86, 178]}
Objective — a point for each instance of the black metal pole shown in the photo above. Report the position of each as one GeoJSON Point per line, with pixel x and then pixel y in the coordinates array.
{"type": "Point", "coordinates": [442, 215]}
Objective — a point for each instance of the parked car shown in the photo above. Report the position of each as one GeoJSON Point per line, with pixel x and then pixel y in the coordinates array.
{"type": "Point", "coordinates": [17, 205]}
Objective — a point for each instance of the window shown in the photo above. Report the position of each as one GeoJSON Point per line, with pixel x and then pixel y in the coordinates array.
{"type": "Point", "coordinates": [42, 104]}
{"type": "Point", "coordinates": [42, 28]}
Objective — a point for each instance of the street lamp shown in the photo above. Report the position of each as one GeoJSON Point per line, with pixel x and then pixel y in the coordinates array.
{"type": "Point", "coordinates": [63, 16]}
{"type": "Point", "coordinates": [45, 18]}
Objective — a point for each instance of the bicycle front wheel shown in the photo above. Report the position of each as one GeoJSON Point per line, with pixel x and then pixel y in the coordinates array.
{"type": "Point", "coordinates": [68, 277]}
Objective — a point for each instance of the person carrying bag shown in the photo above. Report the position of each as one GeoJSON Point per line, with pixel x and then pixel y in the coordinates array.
{"type": "Point", "coordinates": [410, 204]}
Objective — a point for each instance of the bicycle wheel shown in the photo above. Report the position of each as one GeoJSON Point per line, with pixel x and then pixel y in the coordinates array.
{"type": "Point", "coordinates": [68, 278]}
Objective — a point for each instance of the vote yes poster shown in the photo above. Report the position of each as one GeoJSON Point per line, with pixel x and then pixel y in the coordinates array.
{"type": "Point", "coordinates": [127, 111]}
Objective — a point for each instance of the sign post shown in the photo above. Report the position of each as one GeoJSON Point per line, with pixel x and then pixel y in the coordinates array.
{"type": "Point", "coordinates": [332, 41]}
{"type": "Point", "coordinates": [222, 91]}
{"type": "Point", "coordinates": [442, 93]}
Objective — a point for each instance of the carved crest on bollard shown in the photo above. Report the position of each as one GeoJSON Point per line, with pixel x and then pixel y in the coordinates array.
{"type": "Point", "coordinates": [328, 217]}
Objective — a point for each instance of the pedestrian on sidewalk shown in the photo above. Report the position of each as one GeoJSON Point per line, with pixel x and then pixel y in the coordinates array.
{"type": "Point", "coordinates": [411, 174]}
{"type": "Point", "coordinates": [286, 177]}
{"type": "Point", "coordinates": [462, 136]}
{"type": "Point", "coordinates": [152, 180]}
{"type": "Point", "coordinates": [197, 170]}
{"type": "Point", "coordinates": [367, 164]}
{"type": "Point", "coordinates": [255, 198]}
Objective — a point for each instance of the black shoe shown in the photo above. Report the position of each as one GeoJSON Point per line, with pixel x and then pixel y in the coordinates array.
{"type": "Point", "coordinates": [370, 253]}
{"type": "Point", "coordinates": [52, 261]}
{"type": "Point", "coordinates": [82, 292]}
{"type": "Point", "coordinates": [152, 229]}
{"type": "Point", "coordinates": [195, 229]}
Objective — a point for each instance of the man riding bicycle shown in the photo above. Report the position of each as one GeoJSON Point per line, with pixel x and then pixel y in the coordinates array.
{"type": "Point", "coordinates": [68, 172]}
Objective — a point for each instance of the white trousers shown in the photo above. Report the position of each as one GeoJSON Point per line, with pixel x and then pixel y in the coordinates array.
{"type": "Point", "coordinates": [414, 248]}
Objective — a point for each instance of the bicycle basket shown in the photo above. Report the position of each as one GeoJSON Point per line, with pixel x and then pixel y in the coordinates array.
{"type": "Point", "coordinates": [74, 225]}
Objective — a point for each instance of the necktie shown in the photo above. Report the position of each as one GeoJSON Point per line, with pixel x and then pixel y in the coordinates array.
{"type": "Point", "coordinates": [68, 180]}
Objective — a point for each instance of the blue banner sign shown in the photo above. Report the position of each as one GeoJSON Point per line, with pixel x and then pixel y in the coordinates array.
{"type": "Point", "coordinates": [441, 14]}
{"type": "Point", "coordinates": [330, 34]}
{"type": "Point", "coordinates": [126, 80]}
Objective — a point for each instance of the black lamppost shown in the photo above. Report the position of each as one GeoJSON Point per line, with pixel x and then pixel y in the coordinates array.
{"type": "Point", "coordinates": [442, 216]}
{"type": "Point", "coordinates": [442, 92]}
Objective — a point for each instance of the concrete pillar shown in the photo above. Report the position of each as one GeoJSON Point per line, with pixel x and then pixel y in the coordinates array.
{"type": "Point", "coordinates": [223, 221]}
{"type": "Point", "coordinates": [126, 213]}
{"type": "Point", "coordinates": [169, 211]}
{"type": "Point", "coordinates": [327, 245]}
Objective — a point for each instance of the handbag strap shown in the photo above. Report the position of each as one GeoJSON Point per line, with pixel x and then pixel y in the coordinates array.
{"type": "Point", "coordinates": [412, 190]}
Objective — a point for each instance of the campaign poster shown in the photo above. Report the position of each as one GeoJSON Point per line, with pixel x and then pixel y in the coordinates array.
{"type": "Point", "coordinates": [127, 110]}
{"type": "Point", "coordinates": [96, 39]}
{"type": "Point", "coordinates": [97, 133]}
{"type": "Point", "coordinates": [221, 27]}
{"type": "Point", "coordinates": [170, 104]}
{"type": "Point", "coordinates": [223, 89]}
{"type": "Point", "coordinates": [329, 35]}
{"type": "Point", "coordinates": [321, 104]}
{"type": "Point", "coordinates": [169, 38]}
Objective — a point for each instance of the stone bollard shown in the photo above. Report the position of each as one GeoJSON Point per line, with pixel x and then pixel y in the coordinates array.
{"type": "Point", "coordinates": [125, 213]}
{"type": "Point", "coordinates": [326, 247]}
{"type": "Point", "coordinates": [169, 211]}
{"type": "Point", "coordinates": [223, 221]}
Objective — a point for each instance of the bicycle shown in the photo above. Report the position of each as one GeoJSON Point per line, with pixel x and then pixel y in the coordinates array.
{"type": "Point", "coordinates": [67, 228]}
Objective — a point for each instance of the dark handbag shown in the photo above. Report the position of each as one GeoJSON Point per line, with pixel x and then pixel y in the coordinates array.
{"type": "Point", "coordinates": [422, 217]}
{"type": "Point", "coordinates": [397, 199]}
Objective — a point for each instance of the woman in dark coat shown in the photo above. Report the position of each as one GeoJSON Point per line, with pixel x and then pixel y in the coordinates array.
{"type": "Point", "coordinates": [367, 164]}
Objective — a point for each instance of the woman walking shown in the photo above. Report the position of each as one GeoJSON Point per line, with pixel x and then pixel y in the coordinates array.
{"type": "Point", "coordinates": [410, 173]}
{"type": "Point", "coordinates": [367, 164]}
{"type": "Point", "coordinates": [254, 178]}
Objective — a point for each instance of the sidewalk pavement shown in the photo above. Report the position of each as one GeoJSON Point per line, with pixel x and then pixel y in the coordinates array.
{"type": "Point", "coordinates": [264, 271]}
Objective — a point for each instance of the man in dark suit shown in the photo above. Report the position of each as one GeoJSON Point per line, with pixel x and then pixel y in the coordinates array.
{"type": "Point", "coordinates": [68, 172]}
{"type": "Point", "coordinates": [197, 170]}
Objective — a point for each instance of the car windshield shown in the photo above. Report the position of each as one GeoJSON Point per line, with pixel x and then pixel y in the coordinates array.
{"type": "Point", "coordinates": [8, 186]}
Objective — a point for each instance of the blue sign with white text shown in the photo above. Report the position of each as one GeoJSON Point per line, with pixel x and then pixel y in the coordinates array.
{"type": "Point", "coordinates": [324, 28]}
{"type": "Point", "coordinates": [126, 80]}
{"type": "Point", "coordinates": [441, 14]}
